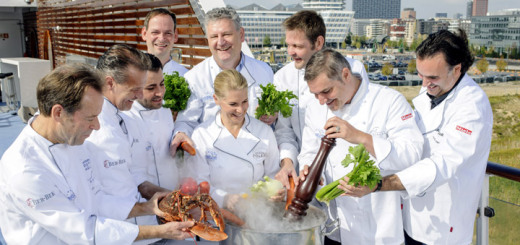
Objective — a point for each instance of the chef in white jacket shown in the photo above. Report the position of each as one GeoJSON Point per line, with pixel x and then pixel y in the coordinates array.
{"type": "Point", "coordinates": [49, 191]}
{"type": "Point", "coordinates": [155, 124]}
{"type": "Point", "coordinates": [234, 150]}
{"type": "Point", "coordinates": [354, 111]}
{"type": "Point", "coordinates": [225, 36]}
{"type": "Point", "coordinates": [442, 190]}
{"type": "Point", "coordinates": [304, 35]}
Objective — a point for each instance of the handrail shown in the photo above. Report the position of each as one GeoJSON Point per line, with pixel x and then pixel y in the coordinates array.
{"type": "Point", "coordinates": [503, 171]}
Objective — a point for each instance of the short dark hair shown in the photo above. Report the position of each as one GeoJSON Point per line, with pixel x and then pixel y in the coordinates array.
{"type": "Point", "coordinates": [309, 22]}
{"type": "Point", "coordinates": [116, 60]}
{"type": "Point", "coordinates": [454, 47]}
{"type": "Point", "coordinates": [159, 11]}
{"type": "Point", "coordinates": [155, 63]}
{"type": "Point", "coordinates": [66, 86]}
{"type": "Point", "coordinates": [326, 61]}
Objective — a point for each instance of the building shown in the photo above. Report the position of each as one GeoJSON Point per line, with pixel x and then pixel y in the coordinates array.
{"type": "Point", "coordinates": [397, 29]}
{"type": "Point", "coordinates": [259, 22]}
{"type": "Point", "coordinates": [500, 30]}
{"type": "Point", "coordinates": [359, 27]}
{"type": "Point", "coordinates": [377, 28]}
{"type": "Point", "coordinates": [480, 8]}
{"type": "Point", "coordinates": [408, 13]}
{"type": "Point", "coordinates": [376, 9]}
{"type": "Point", "coordinates": [441, 15]}
{"type": "Point", "coordinates": [457, 16]}
{"type": "Point", "coordinates": [469, 9]}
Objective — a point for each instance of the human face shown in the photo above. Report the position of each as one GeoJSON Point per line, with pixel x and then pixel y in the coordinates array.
{"type": "Point", "coordinates": [335, 94]}
{"type": "Point", "coordinates": [233, 107]}
{"type": "Point", "coordinates": [153, 91]}
{"type": "Point", "coordinates": [124, 94]}
{"type": "Point", "coordinates": [300, 48]}
{"type": "Point", "coordinates": [225, 42]}
{"type": "Point", "coordinates": [437, 75]}
{"type": "Point", "coordinates": [160, 35]}
{"type": "Point", "coordinates": [76, 127]}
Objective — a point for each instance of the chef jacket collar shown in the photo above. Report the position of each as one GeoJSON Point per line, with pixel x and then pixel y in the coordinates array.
{"type": "Point", "coordinates": [435, 101]}
{"type": "Point", "coordinates": [238, 68]}
{"type": "Point", "coordinates": [115, 110]}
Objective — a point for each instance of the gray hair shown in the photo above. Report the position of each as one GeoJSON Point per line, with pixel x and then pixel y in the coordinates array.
{"type": "Point", "coordinates": [326, 61]}
{"type": "Point", "coordinates": [223, 13]}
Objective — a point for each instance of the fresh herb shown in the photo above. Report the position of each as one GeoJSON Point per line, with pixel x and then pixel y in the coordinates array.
{"type": "Point", "coordinates": [273, 101]}
{"type": "Point", "coordinates": [177, 92]}
{"type": "Point", "coordinates": [364, 173]}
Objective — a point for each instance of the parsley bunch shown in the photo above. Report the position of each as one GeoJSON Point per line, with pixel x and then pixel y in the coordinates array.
{"type": "Point", "coordinates": [273, 101]}
{"type": "Point", "coordinates": [365, 173]}
{"type": "Point", "coordinates": [177, 92]}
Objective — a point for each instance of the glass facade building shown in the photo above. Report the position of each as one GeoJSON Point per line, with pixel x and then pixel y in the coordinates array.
{"type": "Point", "coordinates": [376, 9]}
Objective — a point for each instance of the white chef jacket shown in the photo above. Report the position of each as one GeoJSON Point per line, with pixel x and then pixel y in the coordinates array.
{"type": "Point", "coordinates": [387, 116]}
{"type": "Point", "coordinates": [172, 66]}
{"type": "Point", "coordinates": [50, 195]}
{"type": "Point", "coordinates": [289, 130]}
{"type": "Point", "coordinates": [201, 105]}
{"type": "Point", "coordinates": [444, 187]}
{"type": "Point", "coordinates": [157, 128]}
{"type": "Point", "coordinates": [232, 165]}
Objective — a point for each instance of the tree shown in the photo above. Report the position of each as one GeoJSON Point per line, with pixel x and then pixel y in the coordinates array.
{"type": "Point", "coordinates": [482, 65]}
{"type": "Point", "coordinates": [358, 45]}
{"type": "Point", "coordinates": [501, 64]}
{"type": "Point", "coordinates": [267, 41]}
{"type": "Point", "coordinates": [282, 41]}
{"type": "Point", "coordinates": [387, 69]}
{"type": "Point", "coordinates": [412, 66]}
{"type": "Point", "coordinates": [348, 39]}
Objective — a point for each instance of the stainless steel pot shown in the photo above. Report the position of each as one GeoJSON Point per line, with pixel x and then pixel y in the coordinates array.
{"type": "Point", "coordinates": [310, 233]}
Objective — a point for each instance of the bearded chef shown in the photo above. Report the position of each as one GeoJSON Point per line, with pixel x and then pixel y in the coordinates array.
{"type": "Point", "coordinates": [354, 111]}
{"type": "Point", "coordinates": [234, 150]}
{"type": "Point", "coordinates": [442, 190]}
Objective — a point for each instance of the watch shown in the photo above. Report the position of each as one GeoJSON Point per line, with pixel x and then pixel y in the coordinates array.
{"type": "Point", "coordinates": [379, 185]}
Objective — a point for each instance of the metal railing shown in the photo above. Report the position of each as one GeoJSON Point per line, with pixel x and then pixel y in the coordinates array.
{"type": "Point", "coordinates": [485, 212]}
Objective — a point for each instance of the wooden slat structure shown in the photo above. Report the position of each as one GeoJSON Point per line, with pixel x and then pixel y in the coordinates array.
{"type": "Point", "coordinates": [89, 27]}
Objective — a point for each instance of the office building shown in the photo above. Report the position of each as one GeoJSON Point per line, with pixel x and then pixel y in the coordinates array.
{"type": "Point", "coordinates": [408, 13]}
{"type": "Point", "coordinates": [376, 9]}
{"type": "Point", "coordinates": [469, 9]}
{"type": "Point", "coordinates": [500, 30]}
{"type": "Point", "coordinates": [324, 4]}
{"type": "Point", "coordinates": [480, 8]}
{"type": "Point", "coordinates": [441, 15]}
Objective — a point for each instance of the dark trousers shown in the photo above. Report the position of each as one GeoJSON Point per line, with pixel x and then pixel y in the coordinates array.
{"type": "Point", "coordinates": [410, 241]}
{"type": "Point", "coordinates": [331, 242]}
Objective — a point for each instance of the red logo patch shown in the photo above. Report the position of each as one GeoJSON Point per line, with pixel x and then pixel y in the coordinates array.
{"type": "Point", "coordinates": [406, 117]}
{"type": "Point", "coordinates": [464, 130]}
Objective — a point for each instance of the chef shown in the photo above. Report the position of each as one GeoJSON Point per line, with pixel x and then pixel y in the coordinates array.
{"type": "Point", "coordinates": [304, 35]}
{"type": "Point", "coordinates": [155, 125]}
{"type": "Point", "coordinates": [225, 36]}
{"type": "Point", "coordinates": [48, 189]}
{"type": "Point", "coordinates": [358, 112]}
{"type": "Point", "coordinates": [234, 150]}
{"type": "Point", "coordinates": [442, 190]}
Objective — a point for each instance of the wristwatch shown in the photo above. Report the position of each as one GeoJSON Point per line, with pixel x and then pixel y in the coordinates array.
{"type": "Point", "coordinates": [379, 185]}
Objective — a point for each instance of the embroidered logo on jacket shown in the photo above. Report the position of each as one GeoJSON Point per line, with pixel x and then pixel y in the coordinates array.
{"type": "Point", "coordinates": [464, 130]}
{"type": "Point", "coordinates": [33, 202]}
{"type": "Point", "coordinates": [109, 164]}
{"type": "Point", "coordinates": [259, 155]}
{"type": "Point", "coordinates": [211, 155]}
{"type": "Point", "coordinates": [406, 117]}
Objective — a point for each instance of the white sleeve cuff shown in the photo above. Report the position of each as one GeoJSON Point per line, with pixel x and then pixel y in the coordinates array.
{"type": "Point", "coordinates": [417, 178]}
{"type": "Point", "coordinates": [288, 150]}
{"type": "Point", "coordinates": [382, 148]}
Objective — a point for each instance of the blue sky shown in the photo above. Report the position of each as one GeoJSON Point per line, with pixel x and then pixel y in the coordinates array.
{"type": "Point", "coordinates": [425, 8]}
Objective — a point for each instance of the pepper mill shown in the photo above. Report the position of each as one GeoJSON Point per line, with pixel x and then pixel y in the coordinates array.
{"type": "Point", "coordinates": [307, 189]}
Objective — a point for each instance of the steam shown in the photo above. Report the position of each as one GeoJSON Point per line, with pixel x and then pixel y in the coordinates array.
{"type": "Point", "coordinates": [261, 214]}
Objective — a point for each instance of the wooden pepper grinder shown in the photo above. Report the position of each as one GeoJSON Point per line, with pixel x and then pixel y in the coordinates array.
{"type": "Point", "coordinates": [307, 189]}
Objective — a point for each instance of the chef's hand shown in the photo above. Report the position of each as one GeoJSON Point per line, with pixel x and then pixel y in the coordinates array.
{"type": "Point", "coordinates": [230, 201]}
{"type": "Point", "coordinates": [286, 171]}
{"type": "Point", "coordinates": [153, 203]}
{"type": "Point", "coordinates": [177, 140]}
{"type": "Point", "coordinates": [354, 191]}
{"type": "Point", "coordinates": [304, 174]}
{"type": "Point", "coordinates": [341, 129]}
{"type": "Point", "coordinates": [176, 230]}
{"type": "Point", "coordinates": [269, 119]}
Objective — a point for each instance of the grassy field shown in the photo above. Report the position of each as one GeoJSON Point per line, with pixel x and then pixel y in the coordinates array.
{"type": "Point", "coordinates": [505, 149]}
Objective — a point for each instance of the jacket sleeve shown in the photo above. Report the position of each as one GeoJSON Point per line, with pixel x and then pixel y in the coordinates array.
{"type": "Point", "coordinates": [403, 144]}
{"type": "Point", "coordinates": [463, 147]}
{"type": "Point", "coordinates": [311, 139]}
{"type": "Point", "coordinates": [49, 207]}
{"type": "Point", "coordinates": [272, 161]}
{"type": "Point", "coordinates": [284, 131]}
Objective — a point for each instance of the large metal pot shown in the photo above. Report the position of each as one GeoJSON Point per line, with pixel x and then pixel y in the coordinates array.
{"type": "Point", "coordinates": [306, 233]}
